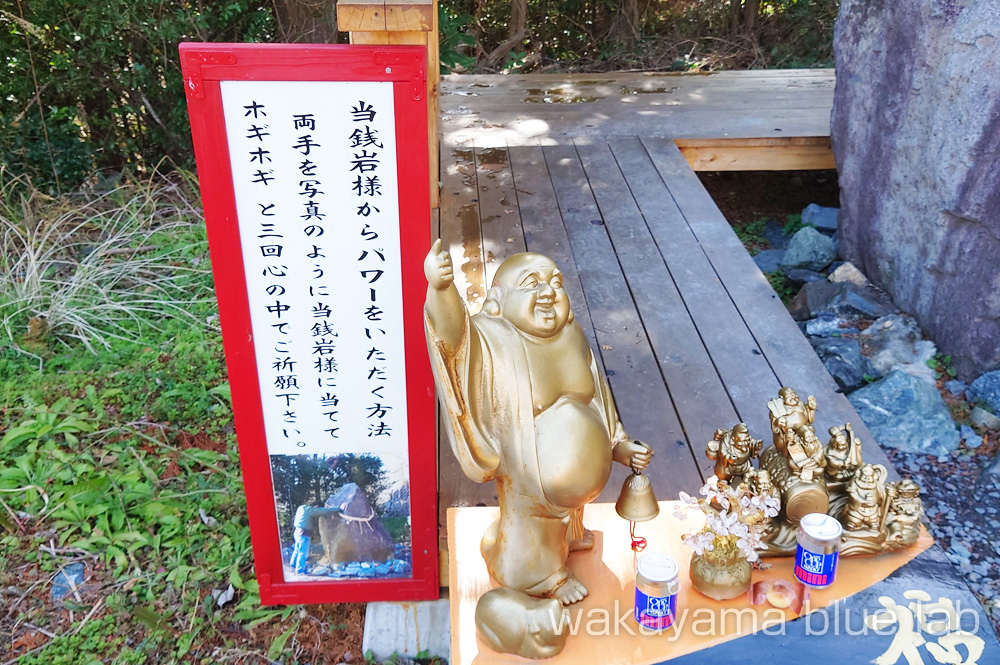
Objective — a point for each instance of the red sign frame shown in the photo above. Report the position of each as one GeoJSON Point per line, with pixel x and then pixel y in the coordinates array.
{"type": "Point", "coordinates": [204, 66]}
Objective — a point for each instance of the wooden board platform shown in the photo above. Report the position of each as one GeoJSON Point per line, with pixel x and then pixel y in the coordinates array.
{"type": "Point", "coordinates": [686, 327]}
{"type": "Point", "coordinates": [496, 111]}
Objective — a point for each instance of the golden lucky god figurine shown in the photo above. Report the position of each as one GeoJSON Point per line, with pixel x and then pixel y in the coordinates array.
{"type": "Point", "coordinates": [809, 477]}
{"type": "Point", "coordinates": [529, 409]}
{"type": "Point", "coordinates": [733, 451]}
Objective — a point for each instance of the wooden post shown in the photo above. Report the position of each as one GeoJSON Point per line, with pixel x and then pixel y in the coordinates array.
{"type": "Point", "coordinates": [401, 22]}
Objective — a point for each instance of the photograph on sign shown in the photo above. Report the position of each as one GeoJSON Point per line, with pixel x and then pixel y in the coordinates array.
{"type": "Point", "coordinates": [314, 315]}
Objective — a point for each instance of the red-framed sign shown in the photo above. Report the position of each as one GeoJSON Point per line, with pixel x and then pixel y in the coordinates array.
{"type": "Point", "coordinates": [313, 167]}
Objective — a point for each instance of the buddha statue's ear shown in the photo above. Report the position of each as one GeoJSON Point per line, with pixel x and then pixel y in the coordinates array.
{"type": "Point", "coordinates": [572, 317]}
{"type": "Point", "coordinates": [492, 305]}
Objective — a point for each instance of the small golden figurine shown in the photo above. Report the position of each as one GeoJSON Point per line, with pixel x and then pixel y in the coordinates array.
{"type": "Point", "coordinates": [789, 416]}
{"type": "Point", "coordinates": [905, 508]}
{"type": "Point", "coordinates": [529, 408]}
{"type": "Point", "coordinates": [877, 515]}
{"type": "Point", "coordinates": [733, 451]}
{"type": "Point", "coordinates": [868, 506]}
{"type": "Point", "coordinates": [843, 454]}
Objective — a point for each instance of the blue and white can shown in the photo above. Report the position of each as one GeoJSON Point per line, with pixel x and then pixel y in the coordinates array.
{"type": "Point", "coordinates": [818, 550]}
{"type": "Point", "coordinates": [656, 589]}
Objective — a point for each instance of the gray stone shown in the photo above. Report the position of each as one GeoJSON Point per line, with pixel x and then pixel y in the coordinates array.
{"type": "Point", "coordinates": [894, 342]}
{"type": "Point", "coordinates": [956, 387]}
{"type": "Point", "coordinates": [842, 358]}
{"type": "Point", "coordinates": [916, 133]}
{"type": "Point", "coordinates": [824, 219]}
{"type": "Point", "coordinates": [774, 233]}
{"type": "Point", "coordinates": [985, 391]}
{"type": "Point", "coordinates": [769, 260]}
{"type": "Point", "coordinates": [904, 412]}
{"type": "Point", "coordinates": [803, 276]}
{"type": "Point", "coordinates": [838, 299]}
{"type": "Point", "coordinates": [847, 272]}
{"type": "Point", "coordinates": [809, 249]}
{"type": "Point", "coordinates": [984, 418]}
{"type": "Point", "coordinates": [970, 437]}
{"type": "Point", "coordinates": [826, 325]}
{"type": "Point", "coordinates": [993, 469]}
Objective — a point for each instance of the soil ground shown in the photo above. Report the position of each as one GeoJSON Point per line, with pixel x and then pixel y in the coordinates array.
{"type": "Point", "coordinates": [746, 196]}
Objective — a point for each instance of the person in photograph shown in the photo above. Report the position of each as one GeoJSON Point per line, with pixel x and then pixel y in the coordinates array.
{"type": "Point", "coordinates": [305, 524]}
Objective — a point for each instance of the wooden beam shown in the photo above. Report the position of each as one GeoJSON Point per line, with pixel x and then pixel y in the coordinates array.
{"type": "Point", "coordinates": [361, 15]}
{"type": "Point", "coordinates": [761, 154]}
{"type": "Point", "coordinates": [409, 15]}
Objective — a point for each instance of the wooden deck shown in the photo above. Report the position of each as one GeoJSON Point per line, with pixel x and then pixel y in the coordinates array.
{"type": "Point", "coordinates": [687, 329]}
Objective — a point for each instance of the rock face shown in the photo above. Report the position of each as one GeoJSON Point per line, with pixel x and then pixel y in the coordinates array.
{"type": "Point", "coordinates": [809, 249]}
{"type": "Point", "coordinates": [356, 534]}
{"type": "Point", "coordinates": [904, 412]}
{"type": "Point", "coordinates": [916, 133]}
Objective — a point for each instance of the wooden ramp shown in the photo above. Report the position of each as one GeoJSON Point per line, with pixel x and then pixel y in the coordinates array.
{"type": "Point", "coordinates": [687, 328]}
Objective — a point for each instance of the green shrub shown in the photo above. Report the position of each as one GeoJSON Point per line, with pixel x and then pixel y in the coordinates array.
{"type": "Point", "coordinates": [96, 84]}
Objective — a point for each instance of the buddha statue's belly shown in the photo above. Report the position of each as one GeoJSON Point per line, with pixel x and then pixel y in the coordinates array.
{"type": "Point", "coordinates": [574, 453]}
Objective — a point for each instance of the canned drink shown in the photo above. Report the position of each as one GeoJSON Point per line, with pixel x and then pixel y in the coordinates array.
{"type": "Point", "coordinates": [818, 550]}
{"type": "Point", "coordinates": [656, 589]}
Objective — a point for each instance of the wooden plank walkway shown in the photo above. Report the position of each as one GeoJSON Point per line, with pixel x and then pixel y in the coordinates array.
{"type": "Point", "coordinates": [687, 329]}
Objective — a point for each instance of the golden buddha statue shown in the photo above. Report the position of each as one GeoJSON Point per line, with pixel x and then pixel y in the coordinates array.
{"type": "Point", "coordinates": [528, 408]}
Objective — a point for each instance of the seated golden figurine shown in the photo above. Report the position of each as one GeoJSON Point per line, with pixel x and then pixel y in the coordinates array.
{"type": "Point", "coordinates": [512, 622]}
{"type": "Point", "coordinates": [843, 454]}
{"type": "Point", "coordinates": [733, 451]}
{"type": "Point", "coordinates": [867, 506]}
{"type": "Point", "coordinates": [789, 415]}
{"type": "Point", "coordinates": [905, 509]}
{"type": "Point", "coordinates": [528, 408]}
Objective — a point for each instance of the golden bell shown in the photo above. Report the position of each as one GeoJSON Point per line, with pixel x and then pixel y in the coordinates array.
{"type": "Point", "coordinates": [637, 503]}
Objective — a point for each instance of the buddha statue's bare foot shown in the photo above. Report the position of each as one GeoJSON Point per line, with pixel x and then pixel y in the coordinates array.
{"type": "Point", "coordinates": [571, 591]}
{"type": "Point", "coordinates": [586, 542]}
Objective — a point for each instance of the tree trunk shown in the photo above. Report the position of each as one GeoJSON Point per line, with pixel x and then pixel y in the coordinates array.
{"type": "Point", "coordinates": [311, 21]}
{"type": "Point", "coordinates": [517, 27]}
{"type": "Point", "coordinates": [750, 11]}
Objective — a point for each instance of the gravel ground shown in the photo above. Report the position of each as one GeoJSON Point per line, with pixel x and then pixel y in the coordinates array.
{"type": "Point", "coordinates": [962, 510]}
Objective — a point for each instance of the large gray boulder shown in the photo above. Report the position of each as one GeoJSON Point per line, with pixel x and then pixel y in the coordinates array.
{"type": "Point", "coordinates": [904, 412]}
{"type": "Point", "coordinates": [356, 534]}
{"type": "Point", "coordinates": [916, 134]}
